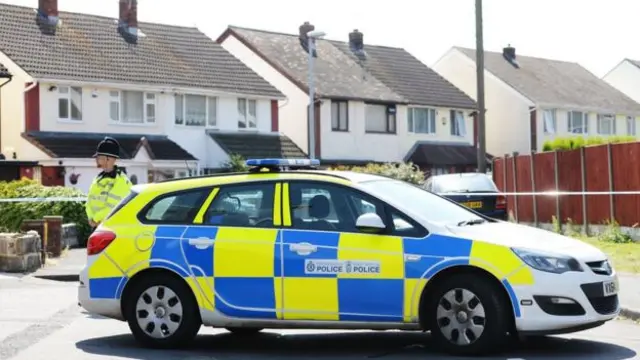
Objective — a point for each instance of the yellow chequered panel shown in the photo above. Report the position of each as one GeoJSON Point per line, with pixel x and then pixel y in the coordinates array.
{"type": "Point", "coordinates": [103, 267]}
{"type": "Point", "coordinates": [522, 276]}
{"type": "Point", "coordinates": [305, 295]}
{"type": "Point", "coordinates": [205, 206]}
{"type": "Point", "coordinates": [256, 248]}
{"type": "Point", "coordinates": [277, 288]}
{"type": "Point", "coordinates": [202, 289]}
{"type": "Point", "coordinates": [277, 219]}
{"type": "Point", "coordinates": [132, 249]}
{"type": "Point", "coordinates": [412, 292]}
{"type": "Point", "coordinates": [385, 249]}
{"type": "Point", "coordinates": [497, 259]}
{"type": "Point", "coordinates": [286, 208]}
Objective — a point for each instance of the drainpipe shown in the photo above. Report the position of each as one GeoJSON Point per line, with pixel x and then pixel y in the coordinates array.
{"type": "Point", "coordinates": [1, 86]}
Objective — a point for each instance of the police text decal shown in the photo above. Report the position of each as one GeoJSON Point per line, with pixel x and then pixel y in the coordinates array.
{"type": "Point", "coordinates": [334, 267]}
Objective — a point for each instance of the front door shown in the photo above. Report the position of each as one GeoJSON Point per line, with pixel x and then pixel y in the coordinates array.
{"type": "Point", "coordinates": [331, 270]}
{"type": "Point", "coordinates": [243, 220]}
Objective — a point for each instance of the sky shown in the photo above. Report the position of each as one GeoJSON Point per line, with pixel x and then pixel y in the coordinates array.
{"type": "Point", "coordinates": [597, 34]}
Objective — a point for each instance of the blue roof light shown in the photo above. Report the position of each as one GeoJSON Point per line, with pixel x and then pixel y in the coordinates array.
{"type": "Point", "coordinates": [282, 162]}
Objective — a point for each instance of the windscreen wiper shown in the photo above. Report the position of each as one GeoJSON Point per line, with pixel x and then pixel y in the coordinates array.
{"type": "Point", "coordinates": [472, 222]}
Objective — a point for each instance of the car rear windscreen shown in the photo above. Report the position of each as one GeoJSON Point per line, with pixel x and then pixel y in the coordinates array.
{"type": "Point", "coordinates": [457, 183]}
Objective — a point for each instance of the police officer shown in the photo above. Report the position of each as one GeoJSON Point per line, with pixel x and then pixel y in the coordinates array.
{"type": "Point", "coordinates": [110, 186]}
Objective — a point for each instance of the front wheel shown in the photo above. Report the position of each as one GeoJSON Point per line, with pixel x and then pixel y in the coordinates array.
{"type": "Point", "coordinates": [162, 312]}
{"type": "Point", "coordinates": [467, 315]}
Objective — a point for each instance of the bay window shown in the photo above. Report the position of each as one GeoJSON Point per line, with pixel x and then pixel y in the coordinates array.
{"type": "Point", "coordinates": [196, 110]}
{"type": "Point", "coordinates": [132, 107]}
{"type": "Point", "coordinates": [247, 114]}
{"type": "Point", "coordinates": [70, 103]}
{"type": "Point", "coordinates": [421, 120]}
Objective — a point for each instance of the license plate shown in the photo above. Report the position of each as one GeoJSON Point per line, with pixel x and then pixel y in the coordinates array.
{"type": "Point", "coordinates": [473, 204]}
{"type": "Point", "coordinates": [610, 288]}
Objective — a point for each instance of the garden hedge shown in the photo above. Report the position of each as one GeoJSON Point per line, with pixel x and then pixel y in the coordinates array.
{"type": "Point", "coordinates": [402, 171]}
{"type": "Point", "coordinates": [576, 142]}
{"type": "Point", "coordinates": [13, 213]}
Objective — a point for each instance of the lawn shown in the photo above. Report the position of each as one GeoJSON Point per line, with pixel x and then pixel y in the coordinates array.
{"type": "Point", "coordinates": [625, 257]}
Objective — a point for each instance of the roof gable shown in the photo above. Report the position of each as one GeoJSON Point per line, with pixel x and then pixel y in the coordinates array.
{"type": "Point", "coordinates": [337, 76]}
{"type": "Point", "coordinates": [556, 83]}
{"type": "Point", "coordinates": [410, 77]}
{"type": "Point", "coordinates": [89, 48]}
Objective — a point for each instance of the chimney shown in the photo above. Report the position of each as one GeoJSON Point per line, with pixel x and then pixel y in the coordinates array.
{"type": "Point", "coordinates": [356, 41]}
{"type": "Point", "coordinates": [128, 20]}
{"type": "Point", "coordinates": [47, 16]}
{"type": "Point", "coordinates": [304, 39]}
{"type": "Point", "coordinates": [509, 53]}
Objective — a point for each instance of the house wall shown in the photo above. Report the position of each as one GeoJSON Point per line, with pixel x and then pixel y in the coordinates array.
{"type": "Point", "coordinates": [11, 116]}
{"type": "Point", "coordinates": [356, 144]}
{"type": "Point", "coordinates": [293, 110]}
{"type": "Point", "coordinates": [96, 119]}
{"type": "Point", "coordinates": [507, 111]}
{"type": "Point", "coordinates": [626, 78]}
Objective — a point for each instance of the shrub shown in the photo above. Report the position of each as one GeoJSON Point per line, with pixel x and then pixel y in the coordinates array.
{"type": "Point", "coordinates": [576, 142]}
{"type": "Point", "coordinates": [236, 163]}
{"type": "Point", "coordinates": [614, 234]}
{"type": "Point", "coordinates": [13, 213]}
{"type": "Point", "coordinates": [402, 171]}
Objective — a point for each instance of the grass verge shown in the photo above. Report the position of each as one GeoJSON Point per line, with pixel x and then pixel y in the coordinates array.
{"type": "Point", "coordinates": [624, 256]}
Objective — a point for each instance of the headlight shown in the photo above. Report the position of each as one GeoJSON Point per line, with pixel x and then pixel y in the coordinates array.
{"type": "Point", "coordinates": [549, 262]}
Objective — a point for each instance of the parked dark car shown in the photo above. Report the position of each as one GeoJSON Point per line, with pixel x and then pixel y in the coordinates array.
{"type": "Point", "coordinates": [494, 206]}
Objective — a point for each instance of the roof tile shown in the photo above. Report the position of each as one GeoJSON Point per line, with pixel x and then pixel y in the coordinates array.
{"type": "Point", "coordinates": [257, 145]}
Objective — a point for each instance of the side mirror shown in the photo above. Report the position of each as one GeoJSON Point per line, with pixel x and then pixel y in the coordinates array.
{"type": "Point", "coordinates": [370, 222]}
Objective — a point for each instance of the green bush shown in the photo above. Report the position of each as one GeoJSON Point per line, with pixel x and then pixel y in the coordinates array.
{"type": "Point", "coordinates": [13, 213]}
{"type": "Point", "coordinates": [402, 171]}
{"type": "Point", "coordinates": [236, 163]}
{"type": "Point", "coordinates": [576, 142]}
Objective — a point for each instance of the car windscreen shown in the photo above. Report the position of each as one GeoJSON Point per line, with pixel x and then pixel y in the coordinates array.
{"type": "Point", "coordinates": [464, 183]}
{"type": "Point", "coordinates": [416, 200]}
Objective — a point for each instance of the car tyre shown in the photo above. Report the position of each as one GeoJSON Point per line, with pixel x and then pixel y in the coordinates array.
{"type": "Point", "coordinates": [244, 331]}
{"type": "Point", "coordinates": [162, 312]}
{"type": "Point", "coordinates": [467, 315]}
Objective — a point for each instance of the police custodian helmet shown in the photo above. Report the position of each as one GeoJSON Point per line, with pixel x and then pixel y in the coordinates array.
{"type": "Point", "coordinates": [108, 147]}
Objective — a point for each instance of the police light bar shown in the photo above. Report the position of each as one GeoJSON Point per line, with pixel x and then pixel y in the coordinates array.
{"type": "Point", "coordinates": [282, 162]}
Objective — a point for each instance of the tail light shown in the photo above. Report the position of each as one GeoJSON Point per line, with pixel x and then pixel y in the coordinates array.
{"type": "Point", "coordinates": [99, 240]}
{"type": "Point", "coordinates": [501, 202]}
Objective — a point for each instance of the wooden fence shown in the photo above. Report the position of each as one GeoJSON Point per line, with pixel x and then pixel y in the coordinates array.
{"type": "Point", "coordinates": [601, 168]}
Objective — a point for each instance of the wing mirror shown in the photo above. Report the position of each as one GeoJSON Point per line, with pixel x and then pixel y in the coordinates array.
{"type": "Point", "coordinates": [371, 223]}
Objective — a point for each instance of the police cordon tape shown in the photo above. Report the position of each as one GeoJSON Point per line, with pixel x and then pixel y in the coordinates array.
{"type": "Point", "coordinates": [525, 193]}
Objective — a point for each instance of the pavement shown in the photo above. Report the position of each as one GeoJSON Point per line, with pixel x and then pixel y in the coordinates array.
{"type": "Point", "coordinates": [39, 320]}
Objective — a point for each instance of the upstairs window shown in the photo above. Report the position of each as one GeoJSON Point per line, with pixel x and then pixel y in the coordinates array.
{"type": "Point", "coordinates": [380, 119]}
{"type": "Point", "coordinates": [70, 103]}
{"type": "Point", "coordinates": [132, 107]}
{"type": "Point", "coordinates": [578, 122]}
{"type": "Point", "coordinates": [196, 110]}
{"type": "Point", "coordinates": [339, 115]}
{"type": "Point", "coordinates": [549, 121]}
{"type": "Point", "coordinates": [421, 120]}
{"type": "Point", "coordinates": [247, 114]}
{"type": "Point", "coordinates": [606, 124]}
{"type": "Point", "coordinates": [631, 125]}
{"type": "Point", "coordinates": [458, 123]}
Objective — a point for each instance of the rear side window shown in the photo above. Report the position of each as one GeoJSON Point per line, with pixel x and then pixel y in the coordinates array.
{"type": "Point", "coordinates": [122, 203]}
{"type": "Point", "coordinates": [177, 208]}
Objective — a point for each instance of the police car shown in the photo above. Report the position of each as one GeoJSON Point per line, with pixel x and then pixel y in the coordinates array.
{"type": "Point", "coordinates": [315, 249]}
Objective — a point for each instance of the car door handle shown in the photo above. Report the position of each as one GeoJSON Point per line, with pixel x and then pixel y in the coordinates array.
{"type": "Point", "coordinates": [201, 243]}
{"type": "Point", "coordinates": [303, 248]}
{"type": "Point", "coordinates": [412, 257]}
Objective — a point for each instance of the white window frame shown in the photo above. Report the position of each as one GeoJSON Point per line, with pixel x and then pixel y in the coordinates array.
{"type": "Point", "coordinates": [389, 119]}
{"type": "Point", "coordinates": [64, 93]}
{"type": "Point", "coordinates": [549, 121]}
{"type": "Point", "coordinates": [432, 125]}
{"type": "Point", "coordinates": [211, 111]}
{"type": "Point", "coordinates": [244, 116]}
{"type": "Point", "coordinates": [339, 123]}
{"type": "Point", "coordinates": [632, 125]}
{"type": "Point", "coordinates": [606, 117]}
{"type": "Point", "coordinates": [148, 99]}
{"type": "Point", "coordinates": [584, 122]}
{"type": "Point", "coordinates": [458, 123]}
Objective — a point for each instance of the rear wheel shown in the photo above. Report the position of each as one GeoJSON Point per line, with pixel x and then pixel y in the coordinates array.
{"type": "Point", "coordinates": [467, 315]}
{"type": "Point", "coordinates": [244, 331]}
{"type": "Point", "coordinates": [162, 312]}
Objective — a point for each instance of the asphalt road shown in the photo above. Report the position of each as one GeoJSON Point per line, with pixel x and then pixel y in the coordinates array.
{"type": "Point", "coordinates": [39, 320]}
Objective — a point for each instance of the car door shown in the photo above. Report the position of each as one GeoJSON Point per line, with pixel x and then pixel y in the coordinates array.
{"type": "Point", "coordinates": [243, 220]}
{"type": "Point", "coordinates": [331, 270]}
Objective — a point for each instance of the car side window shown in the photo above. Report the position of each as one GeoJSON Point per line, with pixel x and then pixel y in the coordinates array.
{"type": "Point", "coordinates": [326, 207]}
{"type": "Point", "coordinates": [178, 208]}
{"type": "Point", "coordinates": [249, 205]}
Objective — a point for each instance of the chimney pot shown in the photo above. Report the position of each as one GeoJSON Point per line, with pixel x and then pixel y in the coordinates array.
{"type": "Point", "coordinates": [356, 41]}
{"type": "Point", "coordinates": [128, 20]}
{"type": "Point", "coordinates": [305, 28]}
{"type": "Point", "coordinates": [509, 52]}
{"type": "Point", "coordinates": [47, 16]}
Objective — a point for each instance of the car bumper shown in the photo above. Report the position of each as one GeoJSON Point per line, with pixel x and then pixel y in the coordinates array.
{"type": "Point", "coordinates": [106, 307]}
{"type": "Point", "coordinates": [583, 306]}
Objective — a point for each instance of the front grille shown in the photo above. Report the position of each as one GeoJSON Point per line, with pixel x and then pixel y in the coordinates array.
{"type": "Point", "coordinates": [600, 267]}
{"type": "Point", "coordinates": [603, 305]}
